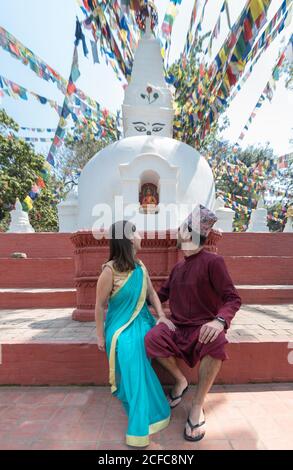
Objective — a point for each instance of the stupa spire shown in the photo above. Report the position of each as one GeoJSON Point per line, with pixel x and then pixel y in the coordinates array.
{"type": "Point", "coordinates": [148, 104]}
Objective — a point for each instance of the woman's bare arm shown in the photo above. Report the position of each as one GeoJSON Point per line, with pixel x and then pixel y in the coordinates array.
{"type": "Point", "coordinates": [156, 303]}
{"type": "Point", "coordinates": [154, 299]}
{"type": "Point", "coordinates": [104, 288]}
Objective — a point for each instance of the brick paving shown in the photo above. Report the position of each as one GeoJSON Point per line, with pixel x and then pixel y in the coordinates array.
{"type": "Point", "coordinates": [253, 323]}
{"type": "Point", "coordinates": [254, 416]}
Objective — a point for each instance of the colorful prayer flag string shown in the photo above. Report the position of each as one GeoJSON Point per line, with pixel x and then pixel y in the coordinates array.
{"type": "Point", "coordinates": [167, 25]}
{"type": "Point", "coordinates": [267, 91]}
{"type": "Point", "coordinates": [14, 47]}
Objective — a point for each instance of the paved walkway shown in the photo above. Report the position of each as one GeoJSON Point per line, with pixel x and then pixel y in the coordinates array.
{"type": "Point", "coordinates": [256, 416]}
{"type": "Point", "coordinates": [252, 323]}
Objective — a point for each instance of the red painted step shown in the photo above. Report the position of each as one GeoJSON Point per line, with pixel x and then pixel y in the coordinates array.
{"type": "Point", "coordinates": [53, 245]}
{"type": "Point", "coordinates": [37, 298]}
{"type": "Point", "coordinates": [46, 347]}
{"type": "Point", "coordinates": [256, 244]}
{"type": "Point", "coordinates": [57, 298]}
{"type": "Point", "coordinates": [266, 294]}
{"type": "Point", "coordinates": [59, 272]}
{"type": "Point", "coordinates": [36, 272]}
{"type": "Point", "coordinates": [260, 269]}
{"type": "Point", "coordinates": [82, 363]}
{"type": "Point", "coordinates": [36, 245]}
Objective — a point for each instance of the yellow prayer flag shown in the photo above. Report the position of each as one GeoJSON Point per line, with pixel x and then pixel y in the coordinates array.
{"type": "Point", "coordinates": [226, 81]}
{"type": "Point", "coordinates": [123, 34]}
{"type": "Point", "coordinates": [223, 55]}
{"type": "Point", "coordinates": [28, 202]}
{"type": "Point", "coordinates": [62, 122]}
{"type": "Point", "coordinates": [47, 166]}
{"type": "Point", "coordinates": [256, 8]}
{"type": "Point", "coordinates": [172, 10]}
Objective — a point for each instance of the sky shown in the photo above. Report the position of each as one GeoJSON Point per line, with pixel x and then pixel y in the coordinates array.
{"type": "Point", "coordinates": [47, 28]}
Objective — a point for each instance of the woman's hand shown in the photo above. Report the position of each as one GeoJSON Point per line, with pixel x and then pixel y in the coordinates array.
{"type": "Point", "coordinates": [167, 322]}
{"type": "Point", "coordinates": [101, 342]}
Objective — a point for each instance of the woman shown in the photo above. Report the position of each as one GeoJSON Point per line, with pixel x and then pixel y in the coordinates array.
{"type": "Point", "coordinates": [124, 283]}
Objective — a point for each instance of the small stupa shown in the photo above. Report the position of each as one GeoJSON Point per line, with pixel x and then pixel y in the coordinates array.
{"type": "Point", "coordinates": [225, 216]}
{"type": "Point", "coordinates": [258, 219]}
{"type": "Point", "coordinates": [19, 222]}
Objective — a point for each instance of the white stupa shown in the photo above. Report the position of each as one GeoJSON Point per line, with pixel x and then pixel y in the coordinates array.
{"type": "Point", "coordinates": [19, 222]}
{"type": "Point", "coordinates": [258, 219]}
{"type": "Point", "coordinates": [147, 173]}
{"type": "Point", "coordinates": [225, 216]}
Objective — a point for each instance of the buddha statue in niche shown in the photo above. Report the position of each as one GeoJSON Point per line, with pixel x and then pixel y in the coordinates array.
{"type": "Point", "coordinates": [149, 199]}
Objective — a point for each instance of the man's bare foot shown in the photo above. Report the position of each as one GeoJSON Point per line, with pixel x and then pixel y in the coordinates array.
{"type": "Point", "coordinates": [196, 416]}
{"type": "Point", "coordinates": [177, 391]}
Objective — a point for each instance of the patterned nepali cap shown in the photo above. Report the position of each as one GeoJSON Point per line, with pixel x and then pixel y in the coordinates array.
{"type": "Point", "coordinates": [200, 220]}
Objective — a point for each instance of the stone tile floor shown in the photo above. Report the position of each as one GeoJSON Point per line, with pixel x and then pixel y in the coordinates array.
{"type": "Point", "coordinates": [252, 323]}
{"type": "Point", "coordinates": [254, 416]}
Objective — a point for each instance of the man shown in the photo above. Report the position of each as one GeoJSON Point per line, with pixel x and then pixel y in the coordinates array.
{"type": "Point", "coordinates": [203, 301]}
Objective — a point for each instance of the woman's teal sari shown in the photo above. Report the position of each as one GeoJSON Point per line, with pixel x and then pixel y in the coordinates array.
{"type": "Point", "coordinates": [132, 377]}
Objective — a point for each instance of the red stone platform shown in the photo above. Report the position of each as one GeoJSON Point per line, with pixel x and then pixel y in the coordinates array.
{"type": "Point", "coordinates": [238, 417]}
{"type": "Point", "coordinates": [40, 344]}
{"type": "Point", "coordinates": [261, 266]}
{"type": "Point", "coordinates": [46, 347]}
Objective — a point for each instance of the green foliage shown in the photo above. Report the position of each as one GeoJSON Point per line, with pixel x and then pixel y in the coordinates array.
{"type": "Point", "coordinates": [191, 98]}
{"type": "Point", "coordinates": [241, 178]}
{"type": "Point", "coordinates": [20, 167]}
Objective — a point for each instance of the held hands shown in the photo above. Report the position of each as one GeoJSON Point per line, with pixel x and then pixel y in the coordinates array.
{"type": "Point", "coordinates": [101, 342]}
{"type": "Point", "coordinates": [167, 322]}
{"type": "Point", "coordinates": [210, 331]}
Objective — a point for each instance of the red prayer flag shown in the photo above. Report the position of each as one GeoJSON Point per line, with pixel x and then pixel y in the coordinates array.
{"type": "Point", "coordinates": [247, 30]}
{"type": "Point", "coordinates": [15, 88]}
{"type": "Point", "coordinates": [231, 77]}
{"type": "Point", "coordinates": [14, 49]}
{"type": "Point", "coordinates": [71, 88]}
{"type": "Point", "coordinates": [281, 59]}
{"type": "Point", "coordinates": [40, 182]}
{"type": "Point", "coordinates": [86, 5]}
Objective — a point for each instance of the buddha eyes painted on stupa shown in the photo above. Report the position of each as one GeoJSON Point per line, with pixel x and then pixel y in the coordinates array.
{"type": "Point", "coordinates": [158, 126]}
{"type": "Point", "coordinates": [147, 128]}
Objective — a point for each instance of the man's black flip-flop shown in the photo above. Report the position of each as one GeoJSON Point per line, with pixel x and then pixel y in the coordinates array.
{"type": "Point", "coordinates": [177, 398]}
{"type": "Point", "coordinates": [192, 427]}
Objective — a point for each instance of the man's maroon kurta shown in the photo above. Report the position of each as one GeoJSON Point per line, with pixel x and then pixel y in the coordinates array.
{"type": "Point", "coordinates": [199, 289]}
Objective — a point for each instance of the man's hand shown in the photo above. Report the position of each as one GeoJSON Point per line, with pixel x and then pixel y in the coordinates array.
{"type": "Point", "coordinates": [210, 331]}
{"type": "Point", "coordinates": [101, 342]}
{"type": "Point", "coordinates": [167, 322]}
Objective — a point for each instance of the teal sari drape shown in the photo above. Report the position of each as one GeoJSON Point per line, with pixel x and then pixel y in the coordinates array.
{"type": "Point", "coordinates": [132, 378]}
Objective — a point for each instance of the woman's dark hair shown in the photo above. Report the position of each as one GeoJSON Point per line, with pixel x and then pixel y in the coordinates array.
{"type": "Point", "coordinates": [121, 248]}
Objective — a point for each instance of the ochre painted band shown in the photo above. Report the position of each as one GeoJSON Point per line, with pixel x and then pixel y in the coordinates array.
{"type": "Point", "coordinates": [142, 441]}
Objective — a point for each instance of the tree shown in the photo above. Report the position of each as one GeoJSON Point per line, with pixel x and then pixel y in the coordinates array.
{"type": "Point", "coordinates": [79, 147]}
{"type": "Point", "coordinates": [20, 168]}
{"type": "Point", "coordinates": [280, 194]}
{"type": "Point", "coordinates": [243, 176]}
{"type": "Point", "coordinates": [190, 80]}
